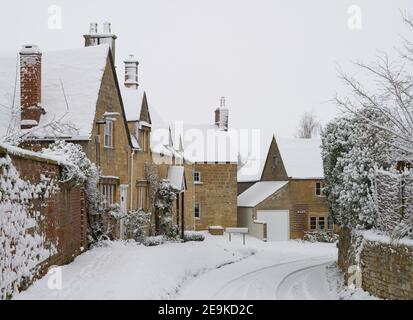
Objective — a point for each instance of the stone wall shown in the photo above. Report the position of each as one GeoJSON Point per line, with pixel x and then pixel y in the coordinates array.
{"type": "Point", "coordinates": [299, 198]}
{"type": "Point", "coordinates": [217, 194]}
{"type": "Point", "coordinates": [386, 268]}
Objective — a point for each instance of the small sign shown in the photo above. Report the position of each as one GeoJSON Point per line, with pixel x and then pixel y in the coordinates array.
{"type": "Point", "coordinates": [301, 209]}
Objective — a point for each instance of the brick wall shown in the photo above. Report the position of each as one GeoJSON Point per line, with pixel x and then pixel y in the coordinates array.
{"type": "Point", "coordinates": [64, 213]}
{"type": "Point", "coordinates": [386, 269]}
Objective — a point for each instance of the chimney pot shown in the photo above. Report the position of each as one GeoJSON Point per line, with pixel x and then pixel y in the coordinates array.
{"type": "Point", "coordinates": [93, 28]}
{"type": "Point", "coordinates": [131, 72]}
{"type": "Point", "coordinates": [107, 28]}
{"type": "Point", "coordinates": [30, 86]}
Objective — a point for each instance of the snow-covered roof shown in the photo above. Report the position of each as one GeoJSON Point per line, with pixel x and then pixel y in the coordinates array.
{"type": "Point", "coordinates": [71, 81]}
{"type": "Point", "coordinates": [132, 102]}
{"type": "Point", "coordinates": [253, 164]}
{"type": "Point", "coordinates": [206, 143]}
{"type": "Point", "coordinates": [302, 158]}
{"type": "Point", "coordinates": [259, 192]}
{"type": "Point", "coordinates": [176, 176]}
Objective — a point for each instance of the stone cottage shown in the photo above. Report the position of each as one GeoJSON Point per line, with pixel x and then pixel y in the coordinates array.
{"type": "Point", "coordinates": [212, 149]}
{"type": "Point", "coordinates": [288, 199]}
{"type": "Point", "coordinates": [151, 139]}
{"type": "Point", "coordinates": [70, 95]}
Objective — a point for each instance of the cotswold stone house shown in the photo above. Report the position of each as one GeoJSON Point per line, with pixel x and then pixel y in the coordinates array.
{"type": "Point", "coordinates": [71, 95]}
{"type": "Point", "coordinates": [288, 199]}
{"type": "Point", "coordinates": [146, 126]}
{"type": "Point", "coordinates": [213, 153]}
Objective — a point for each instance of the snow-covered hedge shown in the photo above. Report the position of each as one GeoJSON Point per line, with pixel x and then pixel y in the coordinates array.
{"type": "Point", "coordinates": [321, 236]}
{"type": "Point", "coordinates": [193, 236]}
{"type": "Point", "coordinates": [23, 242]}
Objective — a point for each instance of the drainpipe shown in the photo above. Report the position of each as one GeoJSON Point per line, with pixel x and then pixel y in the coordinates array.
{"type": "Point", "coordinates": [131, 180]}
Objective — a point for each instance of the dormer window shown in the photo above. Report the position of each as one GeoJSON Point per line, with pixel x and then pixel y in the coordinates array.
{"type": "Point", "coordinates": [108, 132]}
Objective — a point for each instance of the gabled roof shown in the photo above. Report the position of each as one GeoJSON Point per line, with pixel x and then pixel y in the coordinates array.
{"type": "Point", "coordinates": [301, 158]}
{"type": "Point", "coordinates": [259, 192]}
{"type": "Point", "coordinates": [71, 80]}
{"type": "Point", "coordinates": [136, 105]}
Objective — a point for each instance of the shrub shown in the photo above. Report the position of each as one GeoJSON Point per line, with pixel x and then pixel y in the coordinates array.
{"type": "Point", "coordinates": [193, 236]}
{"type": "Point", "coordinates": [321, 236]}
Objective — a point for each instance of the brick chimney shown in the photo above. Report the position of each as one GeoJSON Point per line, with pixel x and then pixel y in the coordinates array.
{"type": "Point", "coordinates": [94, 38]}
{"type": "Point", "coordinates": [222, 116]}
{"type": "Point", "coordinates": [30, 86]}
{"type": "Point", "coordinates": [131, 72]}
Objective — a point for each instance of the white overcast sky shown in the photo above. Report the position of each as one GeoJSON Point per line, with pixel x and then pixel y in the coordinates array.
{"type": "Point", "coordinates": [273, 59]}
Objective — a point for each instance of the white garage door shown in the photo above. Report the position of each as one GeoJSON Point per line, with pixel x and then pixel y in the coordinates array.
{"type": "Point", "coordinates": [278, 224]}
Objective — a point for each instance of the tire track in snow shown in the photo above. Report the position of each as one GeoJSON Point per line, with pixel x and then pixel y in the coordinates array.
{"type": "Point", "coordinates": [263, 283]}
{"type": "Point", "coordinates": [297, 284]}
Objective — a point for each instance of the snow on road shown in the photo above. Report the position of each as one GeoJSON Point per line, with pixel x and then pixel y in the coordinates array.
{"type": "Point", "coordinates": [130, 271]}
{"type": "Point", "coordinates": [213, 269]}
{"type": "Point", "coordinates": [279, 270]}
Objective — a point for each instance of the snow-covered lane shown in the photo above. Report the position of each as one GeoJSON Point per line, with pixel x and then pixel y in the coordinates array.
{"type": "Point", "coordinates": [213, 269]}
{"type": "Point", "coordinates": [284, 270]}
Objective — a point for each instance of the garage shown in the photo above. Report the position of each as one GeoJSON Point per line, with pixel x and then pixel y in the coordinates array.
{"type": "Point", "coordinates": [278, 224]}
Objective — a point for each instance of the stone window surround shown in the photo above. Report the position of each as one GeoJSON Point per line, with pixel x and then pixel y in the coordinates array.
{"type": "Point", "coordinates": [326, 219]}
{"type": "Point", "coordinates": [108, 133]}
{"type": "Point", "coordinates": [199, 179]}
{"type": "Point", "coordinates": [319, 189]}
{"type": "Point", "coordinates": [197, 204]}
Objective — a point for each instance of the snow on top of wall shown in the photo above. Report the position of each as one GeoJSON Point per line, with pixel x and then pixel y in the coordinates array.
{"type": "Point", "coordinates": [27, 153]}
{"type": "Point", "coordinates": [375, 236]}
{"type": "Point", "coordinates": [302, 158]}
{"type": "Point", "coordinates": [259, 192]}
{"type": "Point", "coordinates": [71, 80]}
{"type": "Point", "coordinates": [176, 177]}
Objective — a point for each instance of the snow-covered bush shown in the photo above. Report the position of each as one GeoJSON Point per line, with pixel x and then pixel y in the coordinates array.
{"type": "Point", "coordinates": [154, 241]}
{"type": "Point", "coordinates": [321, 236]}
{"type": "Point", "coordinates": [136, 224]}
{"type": "Point", "coordinates": [79, 170]}
{"type": "Point", "coordinates": [23, 242]}
{"type": "Point", "coordinates": [78, 167]}
{"type": "Point", "coordinates": [193, 236]}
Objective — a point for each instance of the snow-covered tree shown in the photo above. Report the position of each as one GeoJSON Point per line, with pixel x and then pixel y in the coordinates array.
{"type": "Point", "coordinates": [162, 196]}
{"type": "Point", "coordinates": [368, 153]}
{"type": "Point", "coordinates": [352, 149]}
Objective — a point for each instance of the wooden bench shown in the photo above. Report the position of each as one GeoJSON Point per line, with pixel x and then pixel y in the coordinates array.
{"type": "Point", "coordinates": [232, 231]}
